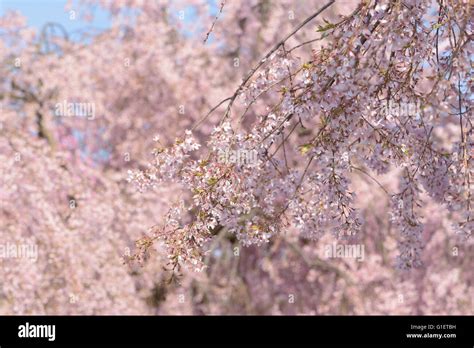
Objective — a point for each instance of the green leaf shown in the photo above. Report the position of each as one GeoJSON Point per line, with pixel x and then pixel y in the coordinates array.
{"type": "Point", "coordinates": [212, 181]}
{"type": "Point", "coordinates": [328, 25]}
{"type": "Point", "coordinates": [304, 149]}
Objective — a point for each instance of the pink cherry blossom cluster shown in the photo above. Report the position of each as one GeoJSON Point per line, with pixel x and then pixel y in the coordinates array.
{"type": "Point", "coordinates": [380, 53]}
{"type": "Point", "coordinates": [331, 162]}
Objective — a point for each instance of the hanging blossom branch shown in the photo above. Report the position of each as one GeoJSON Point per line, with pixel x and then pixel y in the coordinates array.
{"type": "Point", "coordinates": [380, 95]}
{"type": "Point", "coordinates": [214, 22]}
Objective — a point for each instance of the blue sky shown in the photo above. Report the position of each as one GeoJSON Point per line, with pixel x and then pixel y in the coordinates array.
{"type": "Point", "coordinates": [40, 12]}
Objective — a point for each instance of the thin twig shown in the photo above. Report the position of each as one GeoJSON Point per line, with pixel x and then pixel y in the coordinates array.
{"type": "Point", "coordinates": [370, 176]}
{"type": "Point", "coordinates": [273, 50]}
{"type": "Point", "coordinates": [209, 113]}
{"type": "Point", "coordinates": [214, 21]}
